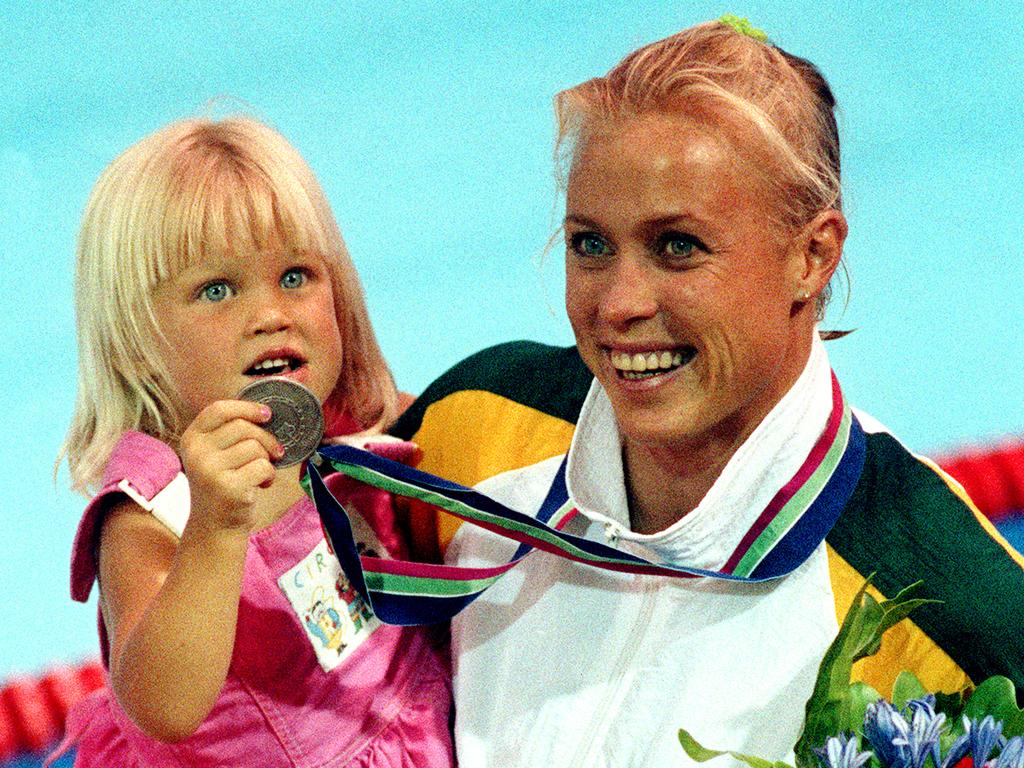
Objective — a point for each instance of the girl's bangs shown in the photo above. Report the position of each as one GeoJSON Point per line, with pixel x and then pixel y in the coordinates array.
{"type": "Point", "coordinates": [232, 211]}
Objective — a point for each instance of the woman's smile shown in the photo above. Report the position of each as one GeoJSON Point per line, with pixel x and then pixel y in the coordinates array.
{"type": "Point", "coordinates": [646, 365]}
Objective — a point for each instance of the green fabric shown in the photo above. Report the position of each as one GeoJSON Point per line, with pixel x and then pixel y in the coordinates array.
{"type": "Point", "coordinates": [905, 524]}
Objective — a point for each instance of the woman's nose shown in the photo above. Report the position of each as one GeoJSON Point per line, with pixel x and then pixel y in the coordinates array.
{"type": "Point", "coordinates": [628, 294]}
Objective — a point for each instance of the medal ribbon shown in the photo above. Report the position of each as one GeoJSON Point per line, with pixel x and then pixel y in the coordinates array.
{"type": "Point", "coordinates": [790, 528]}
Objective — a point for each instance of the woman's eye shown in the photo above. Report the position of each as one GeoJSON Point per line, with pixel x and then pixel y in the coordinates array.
{"type": "Point", "coordinates": [679, 246]}
{"type": "Point", "coordinates": [589, 244]}
{"type": "Point", "coordinates": [215, 291]}
{"type": "Point", "coordinates": [293, 278]}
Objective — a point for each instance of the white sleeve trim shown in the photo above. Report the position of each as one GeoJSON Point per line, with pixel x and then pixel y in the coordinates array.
{"type": "Point", "coordinates": [170, 506]}
{"type": "Point", "coordinates": [869, 423]}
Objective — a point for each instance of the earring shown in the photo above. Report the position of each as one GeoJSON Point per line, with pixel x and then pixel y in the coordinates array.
{"type": "Point", "coordinates": [805, 295]}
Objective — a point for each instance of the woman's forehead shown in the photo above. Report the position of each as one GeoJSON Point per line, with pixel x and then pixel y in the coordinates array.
{"type": "Point", "coordinates": [654, 155]}
{"type": "Point", "coordinates": [670, 165]}
{"type": "Point", "coordinates": [671, 137]}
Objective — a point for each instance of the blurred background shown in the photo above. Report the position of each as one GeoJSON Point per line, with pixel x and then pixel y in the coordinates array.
{"type": "Point", "coordinates": [429, 124]}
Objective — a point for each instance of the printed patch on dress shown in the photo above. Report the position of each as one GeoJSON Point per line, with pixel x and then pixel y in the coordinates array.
{"type": "Point", "coordinates": [336, 618]}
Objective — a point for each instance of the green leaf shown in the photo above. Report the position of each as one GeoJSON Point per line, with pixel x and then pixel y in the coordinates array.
{"type": "Point", "coordinates": [1014, 726]}
{"type": "Point", "coordinates": [951, 705]}
{"type": "Point", "coordinates": [702, 754]}
{"type": "Point", "coordinates": [997, 697]}
{"type": "Point", "coordinates": [893, 611]}
{"type": "Point", "coordinates": [906, 687]}
{"type": "Point", "coordinates": [694, 749]}
{"type": "Point", "coordinates": [830, 709]}
{"type": "Point", "coordinates": [861, 694]}
{"type": "Point", "coordinates": [838, 706]}
{"type": "Point", "coordinates": [817, 729]}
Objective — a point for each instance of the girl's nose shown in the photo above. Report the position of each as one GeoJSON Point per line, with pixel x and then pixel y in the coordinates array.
{"type": "Point", "coordinates": [628, 294]}
{"type": "Point", "coordinates": [269, 313]}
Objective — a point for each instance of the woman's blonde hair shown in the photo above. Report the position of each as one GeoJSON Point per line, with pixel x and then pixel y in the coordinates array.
{"type": "Point", "coordinates": [713, 71]}
{"type": "Point", "coordinates": [194, 189]}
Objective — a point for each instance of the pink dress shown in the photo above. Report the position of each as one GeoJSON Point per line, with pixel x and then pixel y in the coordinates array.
{"type": "Point", "coordinates": [315, 678]}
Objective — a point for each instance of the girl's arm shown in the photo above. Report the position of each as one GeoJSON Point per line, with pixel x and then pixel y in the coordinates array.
{"type": "Point", "coordinates": [171, 607]}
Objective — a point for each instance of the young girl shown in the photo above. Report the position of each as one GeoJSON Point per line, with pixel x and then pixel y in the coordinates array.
{"type": "Point", "coordinates": [208, 259]}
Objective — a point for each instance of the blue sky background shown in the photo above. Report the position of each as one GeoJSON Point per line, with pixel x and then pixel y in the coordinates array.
{"type": "Point", "coordinates": [429, 125]}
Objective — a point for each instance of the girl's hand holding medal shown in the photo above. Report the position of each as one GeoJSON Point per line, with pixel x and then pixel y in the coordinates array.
{"type": "Point", "coordinates": [227, 456]}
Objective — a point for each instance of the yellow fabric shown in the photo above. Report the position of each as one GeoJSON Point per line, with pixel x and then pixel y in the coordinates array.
{"type": "Point", "coordinates": [904, 647]}
{"type": "Point", "coordinates": [495, 435]}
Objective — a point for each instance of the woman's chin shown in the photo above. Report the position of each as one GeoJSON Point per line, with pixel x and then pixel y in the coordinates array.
{"type": "Point", "coordinates": [668, 425]}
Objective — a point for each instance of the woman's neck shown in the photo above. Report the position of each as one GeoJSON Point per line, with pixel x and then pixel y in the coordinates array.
{"type": "Point", "coordinates": [664, 484]}
{"type": "Point", "coordinates": [666, 481]}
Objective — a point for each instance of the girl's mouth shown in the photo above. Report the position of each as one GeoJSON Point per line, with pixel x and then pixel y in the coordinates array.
{"type": "Point", "coordinates": [275, 366]}
{"type": "Point", "coordinates": [633, 366]}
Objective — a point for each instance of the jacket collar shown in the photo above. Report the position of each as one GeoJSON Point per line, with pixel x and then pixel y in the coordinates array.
{"type": "Point", "coordinates": [765, 462]}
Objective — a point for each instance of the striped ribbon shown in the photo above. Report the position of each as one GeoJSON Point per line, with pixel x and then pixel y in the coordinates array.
{"type": "Point", "coordinates": [792, 525]}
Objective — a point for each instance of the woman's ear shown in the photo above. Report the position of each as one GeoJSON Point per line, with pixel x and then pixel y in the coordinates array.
{"type": "Point", "coordinates": [819, 249]}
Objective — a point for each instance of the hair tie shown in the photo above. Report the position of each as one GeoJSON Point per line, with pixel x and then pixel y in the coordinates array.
{"type": "Point", "coordinates": [742, 25]}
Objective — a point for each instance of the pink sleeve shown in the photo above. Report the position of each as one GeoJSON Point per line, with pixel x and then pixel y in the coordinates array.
{"type": "Point", "coordinates": [148, 465]}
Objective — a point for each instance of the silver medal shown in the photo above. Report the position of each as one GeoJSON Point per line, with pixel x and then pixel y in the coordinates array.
{"type": "Point", "coordinates": [296, 420]}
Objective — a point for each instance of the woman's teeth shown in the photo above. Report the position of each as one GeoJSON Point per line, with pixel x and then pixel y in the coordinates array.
{"type": "Point", "coordinates": [642, 365]}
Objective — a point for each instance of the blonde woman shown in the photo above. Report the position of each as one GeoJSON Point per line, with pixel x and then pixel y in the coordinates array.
{"type": "Point", "coordinates": [703, 224]}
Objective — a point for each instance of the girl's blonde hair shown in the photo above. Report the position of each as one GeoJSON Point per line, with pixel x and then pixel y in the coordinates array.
{"type": "Point", "coordinates": [714, 71]}
{"type": "Point", "coordinates": [194, 189]}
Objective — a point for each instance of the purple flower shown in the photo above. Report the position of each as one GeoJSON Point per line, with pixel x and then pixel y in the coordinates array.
{"type": "Point", "coordinates": [841, 752]}
{"type": "Point", "coordinates": [1012, 755]}
{"type": "Point", "coordinates": [888, 732]}
{"type": "Point", "coordinates": [979, 739]}
{"type": "Point", "coordinates": [925, 729]}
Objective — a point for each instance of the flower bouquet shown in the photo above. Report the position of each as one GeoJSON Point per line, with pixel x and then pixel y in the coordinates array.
{"type": "Point", "coordinates": [849, 725]}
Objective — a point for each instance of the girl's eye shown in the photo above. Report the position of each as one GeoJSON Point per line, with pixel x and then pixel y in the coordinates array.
{"type": "Point", "coordinates": [589, 244]}
{"type": "Point", "coordinates": [216, 291]}
{"type": "Point", "coordinates": [293, 278]}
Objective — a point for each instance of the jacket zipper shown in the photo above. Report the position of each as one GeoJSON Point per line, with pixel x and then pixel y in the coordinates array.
{"type": "Point", "coordinates": [605, 713]}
